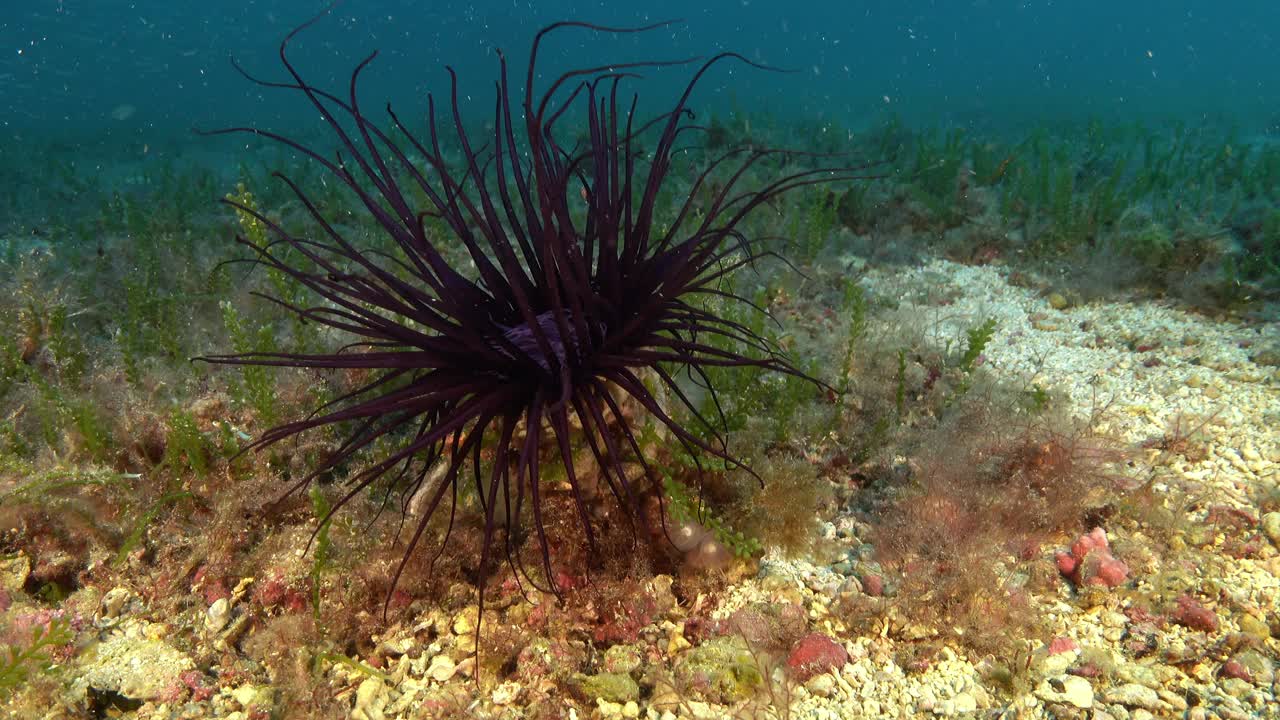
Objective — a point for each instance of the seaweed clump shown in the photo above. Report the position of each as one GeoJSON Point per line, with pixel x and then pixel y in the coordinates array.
{"type": "Point", "coordinates": [966, 488]}
{"type": "Point", "coordinates": [963, 542]}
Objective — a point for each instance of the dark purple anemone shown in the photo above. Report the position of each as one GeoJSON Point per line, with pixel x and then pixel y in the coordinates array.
{"type": "Point", "coordinates": [579, 301]}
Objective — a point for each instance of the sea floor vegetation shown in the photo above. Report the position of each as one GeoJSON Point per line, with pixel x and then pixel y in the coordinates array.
{"type": "Point", "coordinates": [1038, 478]}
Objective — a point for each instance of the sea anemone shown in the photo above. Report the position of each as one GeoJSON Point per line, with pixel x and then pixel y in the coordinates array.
{"type": "Point", "coordinates": [580, 308]}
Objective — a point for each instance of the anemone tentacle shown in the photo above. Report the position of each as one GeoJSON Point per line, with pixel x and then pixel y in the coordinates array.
{"type": "Point", "coordinates": [560, 315]}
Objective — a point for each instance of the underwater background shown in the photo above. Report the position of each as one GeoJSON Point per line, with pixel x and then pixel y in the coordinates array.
{"type": "Point", "coordinates": [70, 68]}
{"type": "Point", "coordinates": [1026, 466]}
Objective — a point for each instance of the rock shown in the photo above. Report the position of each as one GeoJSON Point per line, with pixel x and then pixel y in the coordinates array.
{"type": "Point", "coordinates": [14, 571]}
{"type": "Point", "coordinates": [136, 667]}
{"type": "Point", "coordinates": [396, 647]}
{"type": "Point", "coordinates": [260, 697]}
{"type": "Point", "coordinates": [676, 641]}
{"type": "Point", "coordinates": [613, 687]}
{"type": "Point", "coordinates": [665, 698]}
{"type": "Point", "coordinates": [218, 615]}
{"type": "Point", "coordinates": [464, 623]}
{"type": "Point", "coordinates": [1271, 527]}
{"type": "Point", "coordinates": [660, 590]}
{"type": "Point", "coordinates": [622, 659]}
{"type": "Point", "coordinates": [723, 669]}
{"type": "Point", "coordinates": [1136, 673]}
{"type": "Point", "coordinates": [371, 699]}
{"type": "Point", "coordinates": [1259, 667]}
{"type": "Point", "coordinates": [114, 601]}
{"type": "Point", "coordinates": [849, 589]}
{"type": "Point", "coordinates": [442, 668]}
{"type": "Point", "coordinates": [1058, 301]}
{"type": "Point", "coordinates": [1176, 701]}
{"type": "Point", "coordinates": [1236, 687]}
{"type": "Point", "coordinates": [1267, 357]}
{"type": "Point", "coordinates": [506, 693]}
{"type": "Point", "coordinates": [823, 685]}
{"type": "Point", "coordinates": [408, 698]}
{"type": "Point", "coordinates": [1067, 689]}
{"type": "Point", "coordinates": [815, 654]}
{"type": "Point", "coordinates": [231, 635]}
{"type": "Point", "coordinates": [1134, 695]}
{"type": "Point", "coordinates": [544, 659]}
{"type": "Point", "coordinates": [1254, 626]}
{"type": "Point", "coordinates": [966, 703]}
{"type": "Point", "coordinates": [629, 709]}
{"type": "Point", "coordinates": [1056, 663]}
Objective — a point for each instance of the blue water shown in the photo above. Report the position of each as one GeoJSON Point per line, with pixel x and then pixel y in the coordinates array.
{"type": "Point", "coordinates": [149, 70]}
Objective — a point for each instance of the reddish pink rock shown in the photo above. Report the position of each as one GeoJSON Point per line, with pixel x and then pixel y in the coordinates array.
{"type": "Point", "coordinates": [195, 682]}
{"type": "Point", "coordinates": [815, 654]}
{"type": "Point", "coordinates": [1087, 670]}
{"type": "Point", "coordinates": [1066, 563]}
{"type": "Point", "coordinates": [768, 626]}
{"type": "Point", "coordinates": [1109, 572]}
{"type": "Point", "coordinates": [399, 600]}
{"type": "Point", "coordinates": [1062, 644]}
{"type": "Point", "coordinates": [566, 582]}
{"type": "Point", "coordinates": [1193, 615]}
{"type": "Point", "coordinates": [1095, 539]}
{"type": "Point", "coordinates": [213, 588]}
{"type": "Point", "coordinates": [1233, 669]}
{"type": "Point", "coordinates": [1090, 562]}
{"type": "Point", "coordinates": [174, 693]}
{"type": "Point", "coordinates": [872, 585]}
